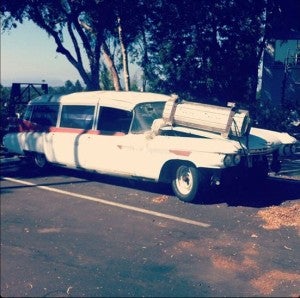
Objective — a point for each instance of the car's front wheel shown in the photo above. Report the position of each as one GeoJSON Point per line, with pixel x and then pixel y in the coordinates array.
{"type": "Point", "coordinates": [186, 182]}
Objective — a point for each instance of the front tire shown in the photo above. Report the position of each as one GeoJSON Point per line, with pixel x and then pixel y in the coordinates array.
{"type": "Point", "coordinates": [186, 182]}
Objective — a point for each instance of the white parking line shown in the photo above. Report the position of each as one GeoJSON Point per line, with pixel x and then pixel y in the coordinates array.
{"type": "Point", "coordinates": [102, 201]}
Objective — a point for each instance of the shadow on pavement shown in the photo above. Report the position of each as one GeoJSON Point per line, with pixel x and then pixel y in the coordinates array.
{"type": "Point", "coordinates": [273, 192]}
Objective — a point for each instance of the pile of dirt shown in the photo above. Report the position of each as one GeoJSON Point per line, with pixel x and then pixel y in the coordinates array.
{"type": "Point", "coordinates": [271, 280]}
{"type": "Point", "coordinates": [276, 217]}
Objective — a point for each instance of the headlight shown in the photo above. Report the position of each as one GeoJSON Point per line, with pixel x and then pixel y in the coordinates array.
{"type": "Point", "coordinates": [293, 149]}
{"type": "Point", "coordinates": [237, 159]}
{"type": "Point", "coordinates": [227, 160]}
{"type": "Point", "coordinates": [231, 160]}
{"type": "Point", "coordinates": [288, 149]}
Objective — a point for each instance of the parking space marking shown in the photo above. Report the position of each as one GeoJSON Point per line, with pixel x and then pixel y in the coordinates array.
{"type": "Point", "coordinates": [119, 205]}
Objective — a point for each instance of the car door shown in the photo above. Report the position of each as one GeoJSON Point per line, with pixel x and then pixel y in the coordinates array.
{"type": "Point", "coordinates": [104, 151]}
{"type": "Point", "coordinates": [65, 141]}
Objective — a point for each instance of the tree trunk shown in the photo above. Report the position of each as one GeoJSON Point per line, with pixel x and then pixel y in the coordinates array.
{"type": "Point", "coordinates": [147, 75]}
{"type": "Point", "coordinates": [254, 73]}
{"type": "Point", "coordinates": [124, 57]}
{"type": "Point", "coordinates": [111, 66]}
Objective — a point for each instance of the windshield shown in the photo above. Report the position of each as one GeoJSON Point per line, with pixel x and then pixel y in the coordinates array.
{"type": "Point", "coordinates": [145, 114]}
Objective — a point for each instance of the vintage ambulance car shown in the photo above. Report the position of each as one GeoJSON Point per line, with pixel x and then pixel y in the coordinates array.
{"type": "Point", "coordinates": [148, 136]}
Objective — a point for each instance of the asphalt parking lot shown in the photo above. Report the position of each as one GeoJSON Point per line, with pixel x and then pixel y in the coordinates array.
{"type": "Point", "coordinates": [72, 234]}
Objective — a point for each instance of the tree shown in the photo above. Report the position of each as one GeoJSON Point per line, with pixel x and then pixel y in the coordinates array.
{"type": "Point", "coordinates": [106, 81]}
{"type": "Point", "coordinates": [129, 21]}
{"type": "Point", "coordinates": [4, 99]}
{"type": "Point", "coordinates": [88, 23]}
{"type": "Point", "coordinates": [210, 49]}
{"type": "Point", "coordinates": [59, 17]}
{"type": "Point", "coordinates": [69, 87]}
{"type": "Point", "coordinates": [111, 66]}
{"type": "Point", "coordinates": [205, 49]}
{"type": "Point", "coordinates": [282, 18]}
{"type": "Point", "coordinates": [200, 49]}
{"type": "Point", "coordinates": [107, 57]}
{"type": "Point", "coordinates": [124, 55]}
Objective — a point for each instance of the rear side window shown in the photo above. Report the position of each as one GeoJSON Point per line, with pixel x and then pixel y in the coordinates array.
{"type": "Point", "coordinates": [42, 114]}
{"type": "Point", "coordinates": [113, 120]}
{"type": "Point", "coordinates": [77, 117]}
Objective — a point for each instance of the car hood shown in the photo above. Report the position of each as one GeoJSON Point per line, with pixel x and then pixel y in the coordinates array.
{"type": "Point", "coordinates": [265, 141]}
{"type": "Point", "coordinates": [259, 141]}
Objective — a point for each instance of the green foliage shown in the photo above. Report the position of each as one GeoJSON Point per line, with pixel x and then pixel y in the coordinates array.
{"type": "Point", "coordinates": [105, 79]}
{"type": "Point", "coordinates": [4, 98]}
{"type": "Point", "coordinates": [206, 49]}
{"type": "Point", "coordinates": [265, 114]}
{"type": "Point", "coordinates": [135, 84]}
{"type": "Point", "coordinates": [68, 88]}
{"type": "Point", "coordinates": [211, 49]}
{"type": "Point", "coordinates": [199, 49]}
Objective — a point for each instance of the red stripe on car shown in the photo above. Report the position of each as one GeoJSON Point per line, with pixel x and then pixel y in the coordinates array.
{"type": "Point", "coordinates": [180, 152]}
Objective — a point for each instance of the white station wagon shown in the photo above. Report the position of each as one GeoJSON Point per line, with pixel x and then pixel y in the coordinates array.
{"type": "Point", "coordinates": [148, 136]}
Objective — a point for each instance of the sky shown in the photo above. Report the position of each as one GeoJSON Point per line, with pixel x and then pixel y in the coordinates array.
{"type": "Point", "coordinates": [28, 55]}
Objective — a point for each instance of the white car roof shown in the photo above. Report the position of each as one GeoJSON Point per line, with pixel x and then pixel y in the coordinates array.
{"type": "Point", "coordinates": [118, 99]}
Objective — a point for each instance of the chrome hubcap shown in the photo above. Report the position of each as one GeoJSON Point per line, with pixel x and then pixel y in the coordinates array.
{"type": "Point", "coordinates": [184, 180]}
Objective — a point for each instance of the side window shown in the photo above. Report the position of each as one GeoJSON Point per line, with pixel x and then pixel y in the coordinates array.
{"type": "Point", "coordinates": [113, 121]}
{"type": "Point", "coordinates": [77, 117]}
{"type": "Point", "coordinates": [44, 115]}
{"type": "Point", "coordinates": [41, 114]}
{"type": "Point", "coordinates": [145, 114]}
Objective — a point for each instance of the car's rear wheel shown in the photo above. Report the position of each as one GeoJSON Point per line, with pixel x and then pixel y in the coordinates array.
{"type": "Point", "coordinates": [40, 160]}
{"type": "Point", "coordinates": [186, 182]}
